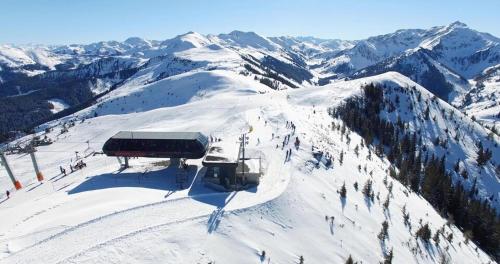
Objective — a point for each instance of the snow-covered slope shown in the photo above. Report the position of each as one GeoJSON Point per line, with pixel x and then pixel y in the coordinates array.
{"type": "Point", "coordinates": [483, 100]}
{"type": "Point", "coordinates": [420, 66]}
{"type": "Point", "coordinates": [458, 134]}
{"type": "Point", "coordinates": [374, 49]}
{"type": "Point", "coordinates": [101, 214]}
{"type": "Point", "coordinates": [15, 57]}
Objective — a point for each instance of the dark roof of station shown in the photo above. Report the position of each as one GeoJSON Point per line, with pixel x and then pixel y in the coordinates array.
{"type": "Point", "coordinates": [158, 135]}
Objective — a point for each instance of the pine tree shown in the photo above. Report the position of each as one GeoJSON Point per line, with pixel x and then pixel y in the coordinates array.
{"type": "Point", "coordinates": [424, 233]}
{"type": "Point", "coordinates": [436, 237]}
{"type": "Point", "coordinates": [343, 191]}
{"type": "Point", "coordinates": [383, 232]}
{"type": "Point", "coordinates": [367, 188]}
{"type": "Point", "coordinates": [456, 168]}
{"type": "Point", "coordinates": [483, 155]}
{"type": "Point", "coordinates": [386, 202]}
{"type": "Point", "coordinates": [349, 260]}
{"type": "Point", "coordinates": [388, 257]}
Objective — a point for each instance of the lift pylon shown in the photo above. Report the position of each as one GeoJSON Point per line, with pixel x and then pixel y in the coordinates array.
{"type": "Point", "coordinates": [39, 174]}
{"type": "Point", "coordinates": [16, 183]}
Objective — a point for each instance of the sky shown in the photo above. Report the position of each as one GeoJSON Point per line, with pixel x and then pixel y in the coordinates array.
{"type": "Point", "coordinates": [85, 21]}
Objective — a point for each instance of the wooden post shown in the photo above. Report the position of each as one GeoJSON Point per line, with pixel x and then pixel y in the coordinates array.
{"type": "Point", "coordinates": [16, 183]}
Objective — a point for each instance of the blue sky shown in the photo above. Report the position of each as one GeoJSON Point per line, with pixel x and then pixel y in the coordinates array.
{"type": "Point", "coordinates": [71, 21]}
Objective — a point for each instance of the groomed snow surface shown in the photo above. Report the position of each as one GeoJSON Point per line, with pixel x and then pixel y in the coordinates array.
{"type": "Point", "coordinates": [139, 215]}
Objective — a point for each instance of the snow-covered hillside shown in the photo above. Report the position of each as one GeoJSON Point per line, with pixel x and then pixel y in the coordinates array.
{"type": "Point", "coordinates": [483, 100]}
{"type": "Point", "coordinates": [459, 136]}
{"type": "Point", "coordinates": [101, 214]}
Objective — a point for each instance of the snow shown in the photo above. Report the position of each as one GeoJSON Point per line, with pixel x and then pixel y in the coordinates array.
{"type": "Point", "coordinates": [101, 214]}
{"type": "Point", "coordinates": [247, 40]}
{"type": "Point", "coordinates": [13, 56]}
{"type": "Point", "coordinates": [58, 105]}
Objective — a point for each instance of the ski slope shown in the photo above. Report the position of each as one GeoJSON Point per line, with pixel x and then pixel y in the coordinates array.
{"type": "Point", "coordinates": [101, 214]}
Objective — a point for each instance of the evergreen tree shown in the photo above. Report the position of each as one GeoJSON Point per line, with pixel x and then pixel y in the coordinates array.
{"type": "Point", "coordinates": [436, 237]}
{"type": "Point", "coordinates": [343, 191]}
{"type": "Point", "coordinates": [424, 233]}
{"type": "Point", "coordinates": [367, 188]}
{"type": "Point", "coordinates": [483, 155]}
{"type": "Point", "coordinates": [386, 202]}
{"type": "Point", "coordinates": [349, 260]}
{"type": "Point", "coordinates": [384, 231]}
{"type": "Point", "coordinates": [388, 257]}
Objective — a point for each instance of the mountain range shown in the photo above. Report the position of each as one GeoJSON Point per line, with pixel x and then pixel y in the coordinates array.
{"type": "Point", "coordinates": [458, 64]}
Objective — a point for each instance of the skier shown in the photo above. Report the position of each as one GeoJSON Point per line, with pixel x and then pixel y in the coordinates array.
{"type": "Point", "coordinates": [297, 142]}
{"type": "Point", "coordinates": [61, 169]}
{"type": "Point", "coordinates": [71, 168]}
{"type": "Point", "coordinates": [8, 194]}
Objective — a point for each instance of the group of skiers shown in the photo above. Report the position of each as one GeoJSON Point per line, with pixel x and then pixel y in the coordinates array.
{"type": "Point", "coordinates": [291, 125]}
{"type": "Point", "coordinates": [79, 165]}
{"type": "Point", "coordinates": [214, 139]}
{"type": "Point", "coordinates": [286, 140]}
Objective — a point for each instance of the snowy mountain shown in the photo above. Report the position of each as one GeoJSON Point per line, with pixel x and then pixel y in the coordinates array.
{"type": "Point", "coordinates": [310, 46]}
{"type": "Point", "coordinates": [100, 214]}
{"type": "Point", "coordinates": [399, 155]}
{"type": "Point", "coordinates": [445, 60]}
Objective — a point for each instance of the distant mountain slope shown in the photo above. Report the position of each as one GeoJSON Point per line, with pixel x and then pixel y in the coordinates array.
{"type": "Point", "coordinates": [443, 59]}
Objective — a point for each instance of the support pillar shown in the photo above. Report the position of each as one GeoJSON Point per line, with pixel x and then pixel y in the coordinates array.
{"type": "Point", "coordinates": [175, 162]}
{"type": "Point", "coordinates": [126, 162]}
{"type": "Point", "coordinates": [16, 183]}
{"type": "Point", "coordinates": [119, 161]}
{"type": "Point", "coordinates": [39, 174]}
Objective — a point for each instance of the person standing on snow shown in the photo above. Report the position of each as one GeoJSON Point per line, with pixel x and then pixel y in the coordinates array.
{"type": "Point", "coordinates": [8, 194]}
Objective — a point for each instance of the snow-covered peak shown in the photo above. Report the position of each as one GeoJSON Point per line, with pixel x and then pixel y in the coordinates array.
{"type": "Point", "coordinates": [248, 40]}
{"type": "Point", "coordinates": [311, 46]}
{"type": "Point", "coordinates": [464, 50]}
{"type": "Point", "coordinates": [457, 24]}
{"type": "Point", "coordinates": [138, 42]}
{"type": "Point", "coordinates": [184, 42]}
